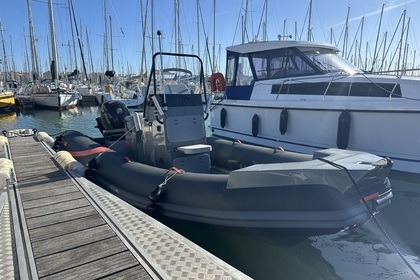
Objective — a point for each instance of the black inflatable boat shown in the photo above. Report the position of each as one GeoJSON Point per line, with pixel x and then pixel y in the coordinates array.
{"type": "Point", "coordinates": [162, 162]}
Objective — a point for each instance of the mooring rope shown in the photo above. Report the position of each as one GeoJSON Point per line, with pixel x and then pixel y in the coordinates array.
{"type": "Point", "coordinates": [338, 166]}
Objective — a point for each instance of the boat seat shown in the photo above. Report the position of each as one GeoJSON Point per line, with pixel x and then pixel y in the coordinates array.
{"type": "Point", "coordinates": [194, 149]}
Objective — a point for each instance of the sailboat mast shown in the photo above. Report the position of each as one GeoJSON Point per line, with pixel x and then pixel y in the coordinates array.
{"type": "Point", "coordinates": [244, 22]}
{"type": "Point", "coordinates": [5, 66]}
{"type": "Point", "coordinates": [72, 34]}
{"type": "Point", "coordinates": [214, 35]}
{"type": "Point", "coordinates": [143, 33]}
{"type": "Point", "coordinates": [401, 43]}
{"type": "Point", "coordinates": [405, 48]}
{"type": "Point", "coordinates": [92, 70]}
{"type": "Point", "coordinates": [346, 34]}
{"type": "Point", "coordinates": [198, 27]}
{"type": "Point", "coordinates": [27, 65]}
{"type": "Point", "coordinates": [34, 56]}
{"type": "Point", "coordinates": [265, 36]}
{"type": "Point", "coordinates": [79, 40]}
{"type": "Point", "coordinates": [106, 39]}
{"type": "Point", "coordinates": [359, 54]}
{"type": "Point", "coordinates": [152, 17]}
{"type": "Point", "coordinates": [375, 56]}
{"type": "Point", "coordinates": [309, 22]}
{"type": "Point", "coordinates": [112, 48]}
{"type": "Point", "coordinates": [54, 60]}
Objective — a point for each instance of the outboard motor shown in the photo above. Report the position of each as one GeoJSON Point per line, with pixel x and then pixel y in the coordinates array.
{"type": "Point", "coordinates": [111, 123]}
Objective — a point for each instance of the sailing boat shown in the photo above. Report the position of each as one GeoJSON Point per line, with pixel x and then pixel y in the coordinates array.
{"type": "Point", "coordinates": [7, 98]}
{"type": "Point", "coordinates": [115, 87]}
{"type": "Point", "coordinates": [53, 93]}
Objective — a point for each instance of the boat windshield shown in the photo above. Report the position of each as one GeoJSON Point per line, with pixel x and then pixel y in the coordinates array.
{"type": "Point", "coordinates": [331, 62]}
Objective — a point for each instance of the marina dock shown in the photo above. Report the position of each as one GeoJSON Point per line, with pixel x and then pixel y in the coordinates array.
{"type": "Point", "coordinates": [55, 224]}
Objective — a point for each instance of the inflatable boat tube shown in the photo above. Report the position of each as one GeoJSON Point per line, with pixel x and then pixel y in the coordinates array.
{"type": "Point", "coordinates": [67, 162]}
{"type": "Point", "coordinates": [300, 193]}
{"type": "Point", "coordinates": [43, 136]}
{"type": "Point", "coordinates": [81, 147]}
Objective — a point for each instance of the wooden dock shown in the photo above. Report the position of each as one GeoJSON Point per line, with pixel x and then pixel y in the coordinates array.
{"type": "Point", "coordinates": [55, 224]}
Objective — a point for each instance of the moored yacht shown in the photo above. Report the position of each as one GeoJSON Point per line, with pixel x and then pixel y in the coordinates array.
{"type": "Point", "coordinates": [7, 101]}
{"type": "Point", "coordinates": [50, 95]}
{"type": "Point", "coordinates": [302, 96]}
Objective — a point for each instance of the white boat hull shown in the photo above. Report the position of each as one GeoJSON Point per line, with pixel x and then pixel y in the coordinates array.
{"type": "Point", "coordinates": [57, 101]}
{"type": "Point", "coordinates": [375, 127]}
{"type": "Point", "coordinates": [303, 96]}
{"type": "Point", "coordinates": [129, 102]}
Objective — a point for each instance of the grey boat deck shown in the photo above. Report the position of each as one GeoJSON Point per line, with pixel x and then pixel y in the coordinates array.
{"type": "Point", "coordinates": [58, 225]}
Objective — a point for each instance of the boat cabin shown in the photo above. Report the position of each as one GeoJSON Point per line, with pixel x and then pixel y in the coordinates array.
{"type": "Point", "coordinates": [297, 64]}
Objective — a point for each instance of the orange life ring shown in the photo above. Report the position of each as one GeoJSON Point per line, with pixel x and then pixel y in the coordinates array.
{"type": "Point", "coordinates": [217, 82]}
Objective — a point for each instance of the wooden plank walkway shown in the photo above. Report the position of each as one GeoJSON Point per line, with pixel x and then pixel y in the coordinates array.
{"type": "Point", "coordinates": [69, 238]}
{"type": "Point", "coordinates": [66, 227]}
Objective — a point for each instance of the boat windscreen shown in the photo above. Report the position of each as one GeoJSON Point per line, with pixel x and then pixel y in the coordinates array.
{"type": "Point", "coordinates": [329, 61]}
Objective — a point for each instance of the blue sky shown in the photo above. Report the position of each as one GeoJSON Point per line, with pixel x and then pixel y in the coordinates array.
{"type": "Point", "coordinates": [126, 22]}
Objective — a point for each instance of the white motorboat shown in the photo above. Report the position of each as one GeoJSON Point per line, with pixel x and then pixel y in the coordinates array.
{"type": "Point", "coordinates": [130, 98]}
{"type": "Point", "coordinates": [302, 96]}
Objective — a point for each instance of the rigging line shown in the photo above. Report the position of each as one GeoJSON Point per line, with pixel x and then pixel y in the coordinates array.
{"type": "Point", "coordinates": [119, 23]}
{"type": "Point", "coordinates": [304, 23]}
{"type": "Point", "coordinates": [207, 45]}
{"type": "Point", "coordinates": [261, 19]}
{"type": "Point", "coordinates": [215, 105]}
{"type": "Point", "coordinates": [341, 167]}
{"type": "Point", "coordinates": [390, 43]}
{"type": "Point", "coordinates": [121, 137]}
{"type": "Point", "coordinates": [237, 23]}
{"type": "Point", "coordinates": [390, 92]}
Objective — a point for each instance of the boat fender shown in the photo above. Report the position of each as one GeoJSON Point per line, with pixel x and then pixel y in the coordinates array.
{"type": "Point", "coordinates": [217, 82]}
{"type": "Point", "coordinates": [19, 132]}
{"type": "Point", "coordinates": [6, 171]}
{"type": "Point", "coordinates": [223, 115]}
{"type": "Point", "coordinates": [4, 142]}
{"type": "Point", "coordinates": [343, 130]}
{"type": "Point", "coordinates": [283, 121]}
{"type": "Point", "coordinates": [43, 136]}
{"type": "Point", "coordinates": [67, 162]}
{"type": "Point", "coordinates": [255, 125]}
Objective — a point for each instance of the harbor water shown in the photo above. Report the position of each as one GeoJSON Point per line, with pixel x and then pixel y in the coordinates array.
{"type": "Point", "coordinates": [385, 248]}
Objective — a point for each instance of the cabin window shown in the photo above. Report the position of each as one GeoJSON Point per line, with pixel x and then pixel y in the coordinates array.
{"type": "Point", "coordinates": [329, 61]}
{"type": "Point", "coordinates": [297, 66]}
{"type": "Point", "coordinates": [261, 66]}
{"type": "Point", "coordinates": [230, 70]}
{"type": "Point", "coordinates": [281, 63]}
{"type": "Point", "coordinates": [278, 65]}
{"type": "Point", "coordinates": [244, 75]}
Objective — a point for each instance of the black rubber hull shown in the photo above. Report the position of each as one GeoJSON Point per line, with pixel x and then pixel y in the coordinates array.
{"type": "Point", "coordinates": [205, 198]}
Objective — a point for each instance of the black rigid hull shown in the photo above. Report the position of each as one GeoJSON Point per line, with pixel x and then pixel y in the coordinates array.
{"type": "Point", "coordinates": [324, 200]}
